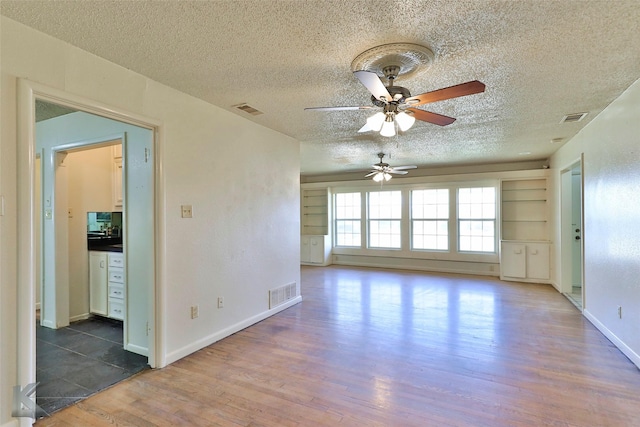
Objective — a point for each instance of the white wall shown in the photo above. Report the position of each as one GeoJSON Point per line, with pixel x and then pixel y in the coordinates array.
{"type": "Point", "coordinates": [244, 237]}
{"type": "Point", "coordinates": [90, 190]}
{"type": "Point", "coordinates": [611, 229]}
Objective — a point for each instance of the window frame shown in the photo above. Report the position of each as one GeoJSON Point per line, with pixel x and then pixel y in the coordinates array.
{"type": "Point", "coordinates": [493, 220]}
{"type": "Point", "coordinates": [336, 219]}
{"type": "Point", "coordinates": [391, 219]}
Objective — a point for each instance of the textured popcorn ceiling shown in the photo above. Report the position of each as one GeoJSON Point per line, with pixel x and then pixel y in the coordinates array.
{"type": "Point", "coordinates": [540, 60]}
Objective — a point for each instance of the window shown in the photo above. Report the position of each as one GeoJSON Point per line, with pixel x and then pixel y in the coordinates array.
{"type": "Point", "coordinates": [430, 219]}
{"type": "Point", "coordinates": [385, 213]}
{"type": "Point", "coordinates": [477, 219]}
{"type": "Point", "coordinates": [348, 213]}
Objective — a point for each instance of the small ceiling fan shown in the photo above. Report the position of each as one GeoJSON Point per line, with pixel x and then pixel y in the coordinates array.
{"type": "Point", "coordinates": [383, 172]}
{"type": "Point", "coordinates": [397, 104]}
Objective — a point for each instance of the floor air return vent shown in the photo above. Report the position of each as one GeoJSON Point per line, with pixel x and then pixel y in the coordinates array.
{"type": "Point", "coordinates": [279, 296]}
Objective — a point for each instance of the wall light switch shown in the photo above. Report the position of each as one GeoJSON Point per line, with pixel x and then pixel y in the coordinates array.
{"type": "Point", "coordinates": [187, 211]}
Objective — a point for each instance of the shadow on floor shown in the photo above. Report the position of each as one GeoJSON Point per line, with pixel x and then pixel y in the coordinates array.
{"type": "Point", "coordinates": [75, 362]}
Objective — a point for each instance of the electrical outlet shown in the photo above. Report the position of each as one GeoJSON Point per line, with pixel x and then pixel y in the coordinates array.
{"type": "Point", "coordinates": [187, 211]}
{"type": "Point", "coordinates": [194, 311]}
{"type": "Point", "coordinates": [220, 302]}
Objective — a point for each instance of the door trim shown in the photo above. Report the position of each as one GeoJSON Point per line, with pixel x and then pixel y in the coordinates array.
{"type": "Point", "coordinates": [28, 92]}
{"type": "Point", "coordinates": [566, 237]}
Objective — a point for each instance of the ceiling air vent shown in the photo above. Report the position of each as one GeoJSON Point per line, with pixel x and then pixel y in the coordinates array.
{"type": "Point", "coordinates": [248, 109]}
{"type": "Point", "coordinates": [575, 117]}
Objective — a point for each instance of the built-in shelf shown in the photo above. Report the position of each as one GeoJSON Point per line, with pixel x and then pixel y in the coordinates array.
{"type": "Point", "coordinates": [525, 210]}
{"type": "Point", "coordinates": [314, 211]}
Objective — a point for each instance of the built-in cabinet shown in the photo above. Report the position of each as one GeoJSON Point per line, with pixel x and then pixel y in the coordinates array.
{"type": "Point", "coordinates": [116, 286]}
{"type": "Point", "coordinates": [314, 249]}
{"type": "Point", "coordinates": [525, 261]}
{"type": "Point", "coordinates": [98, 277]}
{"type": "Point", "coordinates": [117, 177]}
{"type": "Point", "coordinates": [525, 247]}
{"type": "Point", "coordinates": [107, 284]}
{"type": "Point", "coordinates": [315, 240]}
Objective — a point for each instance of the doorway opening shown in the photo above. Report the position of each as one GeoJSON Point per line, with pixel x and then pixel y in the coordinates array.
{"type": "Point", "coordinates": [45, 213]}
{"type": "Point", "coordinates": [572, 234]}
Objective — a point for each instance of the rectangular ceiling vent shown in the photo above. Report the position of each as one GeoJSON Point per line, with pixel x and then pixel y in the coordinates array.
{"type": "Point", "coordinates": [575, 117]}
{"type": "Point", "coordinates": [279, 296]}
{"type": "Point", "coordinates": [248, 109]}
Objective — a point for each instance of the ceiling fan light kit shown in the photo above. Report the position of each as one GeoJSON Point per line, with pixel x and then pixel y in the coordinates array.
{"type": "Point", "coordinates": [398, 106]}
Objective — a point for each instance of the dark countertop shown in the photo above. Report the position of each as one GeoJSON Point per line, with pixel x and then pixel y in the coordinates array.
{"type": "Point", "coordinates": [107, 244]}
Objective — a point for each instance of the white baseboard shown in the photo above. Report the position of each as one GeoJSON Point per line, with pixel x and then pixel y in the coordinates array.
{"type": "Point", "coordinates": [433, 269]}
{"type": "Point", "coordinates": [12, 423]}
{"type": "Point", "coordinates": [79, 317]}
{"type": "Point", "coordinates": [142, 351]}
{"type": "Point", "coordinates": [632, 355]}
{"type": "Point", "coordinates": [202, 343]}
{"type": "Point", "coordinates": [48, 324]}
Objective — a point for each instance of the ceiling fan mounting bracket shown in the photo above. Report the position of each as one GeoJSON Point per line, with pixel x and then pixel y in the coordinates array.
{"type": "Point", "coordinates": [394, 59]}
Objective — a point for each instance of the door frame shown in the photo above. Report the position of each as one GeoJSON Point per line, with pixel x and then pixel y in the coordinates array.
{"type": "Point", "coordinates": [28, 92]}
{"type": "Point", "coordinates": [566, 229]}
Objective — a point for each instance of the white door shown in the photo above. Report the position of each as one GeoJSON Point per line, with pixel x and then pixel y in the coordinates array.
{"type": "Point", "coordinates": [576, 227]}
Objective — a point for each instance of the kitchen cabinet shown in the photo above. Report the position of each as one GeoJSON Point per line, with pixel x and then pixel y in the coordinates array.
{"type": "Point", "coordinates": [107, 284]}
{"type": "Point", "coordinates": [116, 286]}
{"type": "Point", "coordinates": [117, 184]}
{"type": "Point", "coordinates": [314, 249]}
{"type": "Point", "coordinates": [525, 261]}
{"type": "Point", "coordinates": [98, 278]}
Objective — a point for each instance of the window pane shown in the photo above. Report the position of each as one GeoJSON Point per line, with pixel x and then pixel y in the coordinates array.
{"type": "Point", "coordinates": [385, 205]}
{"type": "Point", "coordinates": [430, 235]}
{"type": "Point", "coordinates": [384, 234]}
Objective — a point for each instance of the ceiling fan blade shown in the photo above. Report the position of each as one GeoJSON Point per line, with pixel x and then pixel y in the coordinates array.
{"type": "Point", "coordinates": [377, 167]}
{"type": "Point", "coordinates": [427, 116]}
{"type": "Point", "coordinates": [364, 107]}
{"type": "Point", "coordinates": [463, 89]}
{"type": "Point", "coordinates": [372, 82]}
{"type": "Point", "coordinates": [365, 128]}
{"type": "Point", "coordinates": [371, 174]}
{"type": "Point", "coordinates": [397, 172]}
{"type": "Point", "coordinates": [399, 168]}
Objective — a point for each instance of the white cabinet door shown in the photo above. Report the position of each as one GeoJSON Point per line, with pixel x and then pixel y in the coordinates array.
{"type": "Point", "coordinates": [538, 261]}
{"type": "Point", "coordinates": [98, 282]}
{"type": "Point", "coordinates": [117, 184]}
{"type": "Point", "coordinates": [316, 249]}
{"type": "Point", "coordinates": [513, 261]}
{"type": "Point", "coordinates": [305, 252]}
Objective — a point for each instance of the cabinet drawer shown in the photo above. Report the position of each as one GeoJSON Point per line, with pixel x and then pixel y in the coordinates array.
{"type": "Point", "coordinates": [116, 275]}
{"type": "Point", "coordinates": [116, 291]}
{"type": "Point", "coordinates": [116, 309]}
{"type": "Point", "coordinates": [116, 260]}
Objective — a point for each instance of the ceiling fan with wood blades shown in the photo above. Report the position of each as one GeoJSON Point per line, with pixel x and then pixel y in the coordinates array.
{"type": "Point", "coordinates": [383, 172]}
{"type": "Point", "coordinates": [398, 105]}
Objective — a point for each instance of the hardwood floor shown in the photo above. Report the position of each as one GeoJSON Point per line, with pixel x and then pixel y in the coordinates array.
{"type": "Point", "coordinates": [373, 347]}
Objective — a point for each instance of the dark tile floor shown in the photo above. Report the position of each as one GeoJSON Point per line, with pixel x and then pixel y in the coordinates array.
{"type": "Point", "coordinates": [77, 361]}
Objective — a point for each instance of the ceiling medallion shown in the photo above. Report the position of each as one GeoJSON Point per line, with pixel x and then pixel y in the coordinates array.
{"type": "Point", "coordinates": [408, 57]}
